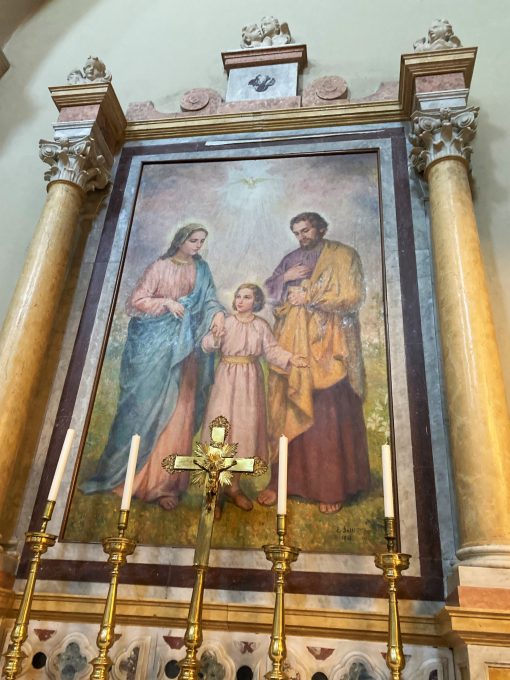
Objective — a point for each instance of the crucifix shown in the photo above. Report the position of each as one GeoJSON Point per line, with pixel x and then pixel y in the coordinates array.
{"type": "Point", "coordinates": [212, 465]}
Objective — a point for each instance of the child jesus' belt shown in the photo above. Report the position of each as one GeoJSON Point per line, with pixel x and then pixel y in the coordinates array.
{"type": "Point", "coordinates": [250, 359]}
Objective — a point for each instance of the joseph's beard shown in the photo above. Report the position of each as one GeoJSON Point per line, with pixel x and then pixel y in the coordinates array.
{"type": "Point", "coordinates": [311, 245]}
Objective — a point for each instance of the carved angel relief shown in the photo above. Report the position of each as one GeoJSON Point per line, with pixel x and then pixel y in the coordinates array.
{"type": "Point", "coordinates": [94, 71]}
{"type": "Point", "coordinates": [439, 37]}
{"type": "Point", "coordinates": [270, 33]}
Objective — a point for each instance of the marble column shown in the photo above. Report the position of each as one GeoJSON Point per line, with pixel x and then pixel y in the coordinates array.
{"type": "Point", "coordinates": [477, 409]}
{"type": "Point", "coordinates": [76, 167]}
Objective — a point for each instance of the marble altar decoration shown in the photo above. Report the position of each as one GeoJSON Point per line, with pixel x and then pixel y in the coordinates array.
{"type": "Point", "coordinates": [200, 100]}
{"type": "Point", "coordinates": [94, 71]}
{"type": "Point", "coordinates": [440, 37]}
{"type": "Point", "coordinates": [325, 90]}
{"type": "Point", "coordinates": [211, 668]}
{"type": "Point", "coordinates": [269, 33]}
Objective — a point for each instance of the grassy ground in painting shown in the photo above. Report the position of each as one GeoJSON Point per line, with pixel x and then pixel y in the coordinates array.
{"type": "Point", "coordinates": [356, 529]}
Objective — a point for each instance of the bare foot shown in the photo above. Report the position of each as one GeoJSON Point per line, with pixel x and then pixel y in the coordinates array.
{"type": "Point", "coordinates": [218, 511]}
{"type": "Point", "coordinates": [169, 502]}
{"type": "Point", "coordinates": [267, 497]}
{"type": "Point", "coordinates": [240, 500]}
{"type": "Point", "coordinates": [329, 508]}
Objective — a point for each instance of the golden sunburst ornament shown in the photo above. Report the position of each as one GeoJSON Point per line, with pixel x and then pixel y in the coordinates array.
{"type": "Point", "coordinates": [211, 461]}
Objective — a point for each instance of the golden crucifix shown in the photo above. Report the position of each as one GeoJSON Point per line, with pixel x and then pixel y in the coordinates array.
{"type": "Point", "coordinates": [211, 465]}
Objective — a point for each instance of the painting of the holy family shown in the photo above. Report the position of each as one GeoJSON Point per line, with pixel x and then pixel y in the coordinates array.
{"type": "Point", "coordinates": [250, 289]}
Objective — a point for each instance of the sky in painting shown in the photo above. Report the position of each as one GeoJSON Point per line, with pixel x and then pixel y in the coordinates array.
{"type": "Point", "coordinates": [246, 205]}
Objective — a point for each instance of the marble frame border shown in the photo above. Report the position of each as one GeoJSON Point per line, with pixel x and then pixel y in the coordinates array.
{"type": "Point", "coordinates": [427, 581]}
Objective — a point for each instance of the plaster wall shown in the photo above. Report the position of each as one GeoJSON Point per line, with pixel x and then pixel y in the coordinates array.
{"type": "Point", "coordinates": [157, 52]}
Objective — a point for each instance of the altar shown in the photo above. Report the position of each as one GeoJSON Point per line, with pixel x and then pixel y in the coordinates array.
{"type": "Point", "coordinates": [305, 265]}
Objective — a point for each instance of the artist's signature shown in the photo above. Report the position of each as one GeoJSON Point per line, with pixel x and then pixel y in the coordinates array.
{"type": "Point", "coordinates": [349, 534]}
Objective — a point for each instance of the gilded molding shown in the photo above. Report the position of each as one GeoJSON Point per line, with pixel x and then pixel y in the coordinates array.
{"type": "Point", "coordinates": [266, 121]}
{"type": "Point", "coordinates": [257, 619]}
{"type": "Point", "coordinates": [76, 161]}
{"type": "Point", "coordinates": [446, 134]}
{"type": "Point", "coordinates": [461, 626]}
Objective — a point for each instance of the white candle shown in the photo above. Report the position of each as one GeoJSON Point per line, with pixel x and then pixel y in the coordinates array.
{"type": "Point", "coordinates": [130, 472]}
{"type": "Point", "coordinates": [389, 510]}
{"type": "Point", "coordinates": [62, 461]}
{"type": "Point", "coordinates": [283, 450]}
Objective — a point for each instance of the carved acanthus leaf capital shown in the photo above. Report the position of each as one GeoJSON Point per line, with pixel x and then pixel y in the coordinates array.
{"type": "Point", "coordinates": [77, 161]}
{"type": "Point", "coordinates": [445, 134]}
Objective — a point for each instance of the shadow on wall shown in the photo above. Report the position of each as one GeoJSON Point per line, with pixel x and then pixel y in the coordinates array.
{"type": "Point", "coordinates": [14, 14]}
{"type": "Point", "coordinates": [489, 218]}
{"type": "Point", "coordinates": [31, 44]}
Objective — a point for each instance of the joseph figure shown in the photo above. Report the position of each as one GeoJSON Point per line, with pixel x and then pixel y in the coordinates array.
{"type": "Point", "coordinates": [317, 291]}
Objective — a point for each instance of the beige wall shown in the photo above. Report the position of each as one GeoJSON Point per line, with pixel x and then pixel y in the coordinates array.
{"type": "Point", "coordinates": [156, 53]}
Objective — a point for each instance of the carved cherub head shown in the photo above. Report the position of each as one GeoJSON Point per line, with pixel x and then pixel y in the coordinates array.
{"type": "Point", "coordinates": [94, 68]}
{"type": "Point", "coordinates": [251, 35]}
{"type": "Point", "coordinates": [275, 33]}
{"type": "Point", "coordinates": [441, 29]}
{"type": "Point", "coordinates": [270, 26]}
{"type": "Point", "coordinates": [93, 71]}
{"type": "Point", "coordinates": [440, 37]}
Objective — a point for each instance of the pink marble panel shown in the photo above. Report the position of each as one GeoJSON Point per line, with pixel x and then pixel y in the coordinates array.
{"type": "Point", "coordinates": [260, 105]}
{"type": "Point", "coordinates": [472, 597]}
{"type": "Point", "coordinates": [439, 83]}
{"type": "Point", "coordinates": [70, 114]}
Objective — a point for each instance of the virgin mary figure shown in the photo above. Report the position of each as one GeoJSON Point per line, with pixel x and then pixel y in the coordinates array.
{"type": "Point", "coordinates": [164, 374]}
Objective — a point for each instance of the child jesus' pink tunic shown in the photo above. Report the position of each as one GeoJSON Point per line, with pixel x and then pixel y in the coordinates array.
{"type": "Point", "coordinates": [238, 391]}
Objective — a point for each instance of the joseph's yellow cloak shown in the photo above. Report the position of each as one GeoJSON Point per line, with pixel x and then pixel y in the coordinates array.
{"type": "Point", "coordinates": [325, 330]}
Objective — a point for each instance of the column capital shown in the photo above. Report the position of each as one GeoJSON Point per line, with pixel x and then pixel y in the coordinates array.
{"type": "Point", "coordinates": [78, 161]}
{"type": "Point", "coordinates": [445, 134]}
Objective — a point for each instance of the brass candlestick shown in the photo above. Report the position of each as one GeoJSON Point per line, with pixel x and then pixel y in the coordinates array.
{"type": "Point", "coordinates": [39, 542]}
{"type": "Point", "coordinates": [118, 548]}
{"type": "Point", "coordinates": [281, 556]}
{"type": "Point", "coordinates": [392, 564]}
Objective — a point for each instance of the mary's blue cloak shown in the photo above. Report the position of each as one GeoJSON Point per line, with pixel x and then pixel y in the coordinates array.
{"type": "Point", "coordinates": [150, 376]}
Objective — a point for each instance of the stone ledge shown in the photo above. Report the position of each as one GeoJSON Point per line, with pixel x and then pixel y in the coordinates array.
{"type": "Point", "coordinates": [265, 56]}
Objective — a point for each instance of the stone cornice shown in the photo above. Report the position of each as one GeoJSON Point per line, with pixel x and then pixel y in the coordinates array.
{"type": "Point", "coordinates": [459, 626]}
{"type": "Point", "coordinates": [449, 627]}
{"type": "Point", "coordinates": [254, 121]}
{"type": "Point", "coordinates": [441, 62]}
{"type": "Point", "coordinates": [265, 56]}
{"type": "Point", "coordinates": [414, 65]}
{"type": "Point", "coordinates": [240, 617]}
{"type": "Point", "coordinates": [109, 116]}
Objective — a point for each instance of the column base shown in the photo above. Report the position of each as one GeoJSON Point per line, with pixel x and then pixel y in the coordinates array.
{"type": "Point", "coordinates": [492, 556]}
